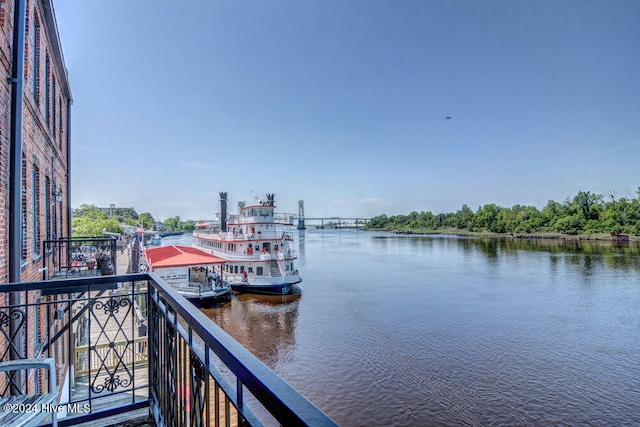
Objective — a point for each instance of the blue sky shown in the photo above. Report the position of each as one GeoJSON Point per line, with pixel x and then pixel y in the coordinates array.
{"type": "Point", "coordinates": [342, 103]}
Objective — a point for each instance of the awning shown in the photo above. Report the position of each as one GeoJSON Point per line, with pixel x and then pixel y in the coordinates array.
{"type": "Point", "coordinates": [179, 256]}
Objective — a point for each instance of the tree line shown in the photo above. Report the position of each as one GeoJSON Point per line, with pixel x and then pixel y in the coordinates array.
{"type": "Point", "coordinates": [586, 213]}
{"type": "Point", "coordinates": [89, 220]}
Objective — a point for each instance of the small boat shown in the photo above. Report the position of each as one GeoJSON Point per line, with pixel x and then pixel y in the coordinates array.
{"type": "Point", "coordinates": [191, 272]}
{"type": "Point", "coordinates": [255, 244]}
{"type": "Point", "coordinates": [156, 240]}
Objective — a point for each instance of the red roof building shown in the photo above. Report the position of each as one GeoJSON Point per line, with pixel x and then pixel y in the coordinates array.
{"type": "Point", "coordinates": [179, 256]}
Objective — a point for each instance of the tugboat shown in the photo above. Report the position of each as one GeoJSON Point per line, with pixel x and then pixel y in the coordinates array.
{"type": "Point", "coordinates": [255, 244]}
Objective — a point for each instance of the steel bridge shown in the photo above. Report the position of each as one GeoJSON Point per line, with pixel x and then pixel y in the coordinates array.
{"type": "Point", "coordinates": [342, 222]}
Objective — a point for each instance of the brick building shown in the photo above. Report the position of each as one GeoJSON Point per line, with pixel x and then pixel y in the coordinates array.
{"type": "Point", "coordinates": [34, 163]}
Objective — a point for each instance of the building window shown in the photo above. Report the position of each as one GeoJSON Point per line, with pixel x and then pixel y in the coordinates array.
{"type": "Point", "coordinates": [36, 210]}
{"type": "Point", "coordinates": [54, 104]}
{"type": "Point", "coordinates": [47, 92]}
{"type": "Point", "coordinates": [47, 207]}
{"type": "Point", "coordinates": [61, 129]}
{"type": "Point", "coordinates": [36, 61]}
{"type": "Point", "coordinates": [26, 37]}
{"type": "Point", "coordinates": [54, 218]}
{"type": "Point", "coordinates": [24, 208]}
{"type": "Point", "coordinates": [60, 216]}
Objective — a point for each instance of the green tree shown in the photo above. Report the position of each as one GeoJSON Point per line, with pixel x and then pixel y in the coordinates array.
{"type": "Point", "coordinates": [586, 204]}
{"type": "Point", "coordinates": [89, 211]}
{"type": "Point", "coordinates": [146, 219]}
{"type": "Point", "coordinates": [487, 219]}
{"type": "Point", "coordinates": [126, 213]}
{"type": "Point", "coordinates": [188, 225]}
{"type": "Point", "coordinates": [572, 225]}
{"type": "Point", "coordinates": [377, 223]}
{"type": "Point", "coordinates": [172, 223]}
{"type": "Point", "coordinates": [86, 226]}
{"type": "Point", "coordinates": [529, 220]}
{"type": "Point", "coordinates": [464, 217]}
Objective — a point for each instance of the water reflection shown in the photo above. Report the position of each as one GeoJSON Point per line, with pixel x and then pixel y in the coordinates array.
{"type": "Point", "coordinates": [264, 324]}
{"type": "Point", "coordinates": [619, 255]}
{"type": "Point", "coordinates": [301, 243]}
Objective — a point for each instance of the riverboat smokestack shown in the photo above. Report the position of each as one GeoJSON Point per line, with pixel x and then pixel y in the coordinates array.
{"type": "Point", "coordinates": [223, 211]}
{"type": "Point", "coordinates": [271, 199]}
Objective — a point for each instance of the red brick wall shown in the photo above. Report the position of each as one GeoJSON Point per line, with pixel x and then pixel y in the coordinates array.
{"type": "Point", "coordinates": [6, 17]}
{"type": "Point", "coordinates": [42, 148]}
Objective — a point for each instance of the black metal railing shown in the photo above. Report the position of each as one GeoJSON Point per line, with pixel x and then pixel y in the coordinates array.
{"type": "Point", "coordinates": [182, 366]}
{"type": "Point", "coordinates": [78, 257]}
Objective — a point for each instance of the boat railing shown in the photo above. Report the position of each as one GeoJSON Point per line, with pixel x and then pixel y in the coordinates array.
{"type": "Point", "coordinates": [281, 219]}
{"type": "Point", "coordinates": [255, 278]}
{"type": "Point", "coordinates": [230, 235]}
{"type": "Point", "coordinates": [263, 256]}
{"type": "Point", "coordinates": [251, 220]}
{"type": "Point", "coordinates": [192, 286]}
{"type": "Point", "coordinates": [288, 254]}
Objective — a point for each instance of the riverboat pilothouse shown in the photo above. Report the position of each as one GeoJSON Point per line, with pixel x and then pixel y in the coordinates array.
{"type": "Point", "coordinates": [256, 245]}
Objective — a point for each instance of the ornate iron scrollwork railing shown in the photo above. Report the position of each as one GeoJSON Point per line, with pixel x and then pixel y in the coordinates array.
{"type": "Point", "coordinates": [186, 370]}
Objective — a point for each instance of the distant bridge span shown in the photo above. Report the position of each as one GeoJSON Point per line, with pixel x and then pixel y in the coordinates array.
{"type": "Point", "coordinates": [343, 222]}
{"type": "Point", "coordinates": [302, 219]}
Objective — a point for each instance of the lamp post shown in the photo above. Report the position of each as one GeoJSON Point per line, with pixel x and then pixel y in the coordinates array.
{"type": "Point", "coordinates": [57, 195]}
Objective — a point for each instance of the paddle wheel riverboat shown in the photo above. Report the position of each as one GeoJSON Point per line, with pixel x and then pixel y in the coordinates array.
{"type": "Point", "coordinates": [256, 244]}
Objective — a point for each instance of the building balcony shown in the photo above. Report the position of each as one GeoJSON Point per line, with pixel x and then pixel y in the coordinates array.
{"type": "Point", "coordinates": [177, 368]}
{"type": "Point", "coordinates": [79, 257]}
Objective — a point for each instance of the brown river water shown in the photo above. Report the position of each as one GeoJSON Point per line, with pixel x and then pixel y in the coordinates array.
{"type": "Point", "coordinates": [394, 330]}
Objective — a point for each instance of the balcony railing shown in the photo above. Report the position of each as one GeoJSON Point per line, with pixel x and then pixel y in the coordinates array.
{"type": "Point", "coordinates": [78, 257]}
{"type": "Point", "coordinates": [181, 366]}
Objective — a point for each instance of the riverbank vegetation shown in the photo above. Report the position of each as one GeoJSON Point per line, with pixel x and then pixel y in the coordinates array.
{"type": "Point", "coordinates": [89, 220]}
{"type": "Point", "coordinates": [586, 214]}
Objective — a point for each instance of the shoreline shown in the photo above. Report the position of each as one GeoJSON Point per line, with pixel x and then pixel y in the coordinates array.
{"type": "Point", "coordinates": [504, 236]}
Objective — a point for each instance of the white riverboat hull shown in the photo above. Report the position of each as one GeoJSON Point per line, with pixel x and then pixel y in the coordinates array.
{"type": "Point", "coordinates": [203, 296]}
